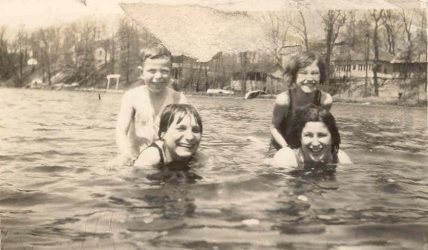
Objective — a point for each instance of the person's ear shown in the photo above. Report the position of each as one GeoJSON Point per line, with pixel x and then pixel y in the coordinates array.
{"type": "Point", "coordinates": [140, 68]}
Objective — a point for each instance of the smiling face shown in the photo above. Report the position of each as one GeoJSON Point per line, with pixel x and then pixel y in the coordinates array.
{"type": "Point", "coordinates": [308, 77]}
{"type": "Point", "coordinates": [156, 74]}
{"type": "Point", "coordinates": [316, 142]}
{"type": "Point", "coordinates": [182, 138]}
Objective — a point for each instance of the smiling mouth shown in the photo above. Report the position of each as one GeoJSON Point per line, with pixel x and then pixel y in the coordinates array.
{"type": "Point", "coordinates": [316, 150]}
{"type": "Point", "coordinates": [185, 145]}
{"type": "Point", "coordinates": [309, 83]}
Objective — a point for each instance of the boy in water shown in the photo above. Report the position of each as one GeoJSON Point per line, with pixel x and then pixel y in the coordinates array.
{"type": "Point", "coordinates": [306, 71]}
{"type": "Point", "coordinates": [138, 119]}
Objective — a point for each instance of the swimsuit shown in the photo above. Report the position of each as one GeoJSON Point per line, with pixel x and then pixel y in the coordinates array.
{"type": "Point", "coordinates": [298, 100]}
{"type": "Point", "coordinates": [161, 152]}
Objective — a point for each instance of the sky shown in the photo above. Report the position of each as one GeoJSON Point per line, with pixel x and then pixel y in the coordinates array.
{"type": "Point", "coordinates": [39, 13]}
{"type": "Point", "coordinates": [36, 13]}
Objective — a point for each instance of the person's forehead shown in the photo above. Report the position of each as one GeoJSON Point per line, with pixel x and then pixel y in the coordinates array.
{"type": "Point", "coordinates": [312, 65]}
{"type": "Point", "coordinates": [184, 119]}
{"type": "Point", "coordinates": [156, 62]}
{"type": "Point", "coordinates": [315, 126]}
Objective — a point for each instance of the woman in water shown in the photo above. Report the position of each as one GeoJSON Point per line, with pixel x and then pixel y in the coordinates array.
{"type": "Point", "coordinates": [318, 141]}
{"type": "Point", "coordinates": [180, 132]}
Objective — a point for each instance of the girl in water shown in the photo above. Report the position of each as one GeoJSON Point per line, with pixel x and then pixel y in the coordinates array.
{"type": "Point", "coordinates": [318, 141]}
{"type": "Point", "coordinates": [305, 71]}
{"type": "Point", "coordinates": [180, 132]}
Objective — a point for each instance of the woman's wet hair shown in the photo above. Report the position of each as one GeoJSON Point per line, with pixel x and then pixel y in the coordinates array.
{"type": "Point", "coordinates": [178, 111]}
{"type": "Point", "coordinates": [154, 52]}
{"type": "Point", "coordinates": [302, 60]}
{"type": "Point", "coordinates": [315, 114]}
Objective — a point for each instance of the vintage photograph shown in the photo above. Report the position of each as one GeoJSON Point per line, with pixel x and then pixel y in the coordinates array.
{"type": "Point", "coordinates": [213, 125]}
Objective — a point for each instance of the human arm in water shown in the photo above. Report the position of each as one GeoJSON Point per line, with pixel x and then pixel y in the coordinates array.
{"type": "Point", "coordinates": [124, 120]}
{"type": "Point", "coordinates": [280, 112]}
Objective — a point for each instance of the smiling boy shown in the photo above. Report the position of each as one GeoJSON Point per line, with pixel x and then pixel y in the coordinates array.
{"type": "Point", "coordinates": [138, 119]}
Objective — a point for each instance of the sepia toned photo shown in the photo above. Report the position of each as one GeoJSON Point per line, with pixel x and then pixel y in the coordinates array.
{"type": "Point", "coordinates": [213, 125]}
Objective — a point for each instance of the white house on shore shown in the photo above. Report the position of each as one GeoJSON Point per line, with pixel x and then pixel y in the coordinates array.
{"type": "Point", "coordinates": [355, 65]}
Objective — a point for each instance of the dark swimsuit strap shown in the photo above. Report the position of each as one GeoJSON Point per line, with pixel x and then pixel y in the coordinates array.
{"type": "Point", "coordinates": [317, 98]}
{"type": "Point", "coordinates": [162, 160]}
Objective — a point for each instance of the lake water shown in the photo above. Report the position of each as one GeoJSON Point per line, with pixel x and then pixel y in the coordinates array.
{"type": "Point", "coordinates": [57, 190]}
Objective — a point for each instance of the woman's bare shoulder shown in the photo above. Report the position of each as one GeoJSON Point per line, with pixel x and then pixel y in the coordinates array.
{"type": "Point", "coordinates": [149, 157]}
{"type": "Point", "coordinates": [343, 158]}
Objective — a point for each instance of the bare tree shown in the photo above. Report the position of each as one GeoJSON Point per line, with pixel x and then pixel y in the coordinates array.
{"type": "Point", "coordinates": [390, 22]}
{"type": "Point", "coordinates": [4, 55]}
{"type": "Point", "coordinates": [333, 21]}
{"type": "Point", "coordinates": [278, 32]}
{"type": "Point", "coordinates": [21, 53]}
{"type": "Point", "coordinates": [376, 16]}
{"type": "Point", "coordinates": [350, 30]}
{"type": "Point", "coordinates": [299, 25]}
{"type": "Point", "coordinates": [49, 45]}
{"type": "Point", "coordinates": [423, 42]}
{"type": "Point", "coordinates": [407, 21]}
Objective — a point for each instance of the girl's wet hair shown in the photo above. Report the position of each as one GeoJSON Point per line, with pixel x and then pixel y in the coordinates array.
{"type": "Point", "coordinates": [180, 111]}
{"type": "Point", "coordinates": [316, 114]}
{"type": "Point", "coordinates": [153, 52]}
{"type": "Point", "coordinates": [302, 60]}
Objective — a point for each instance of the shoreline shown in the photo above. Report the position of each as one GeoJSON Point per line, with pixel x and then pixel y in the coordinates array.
{"type": "Point", "coordinates": [371, 100]}
{"type": "Point", "coordinates": [381, 101]}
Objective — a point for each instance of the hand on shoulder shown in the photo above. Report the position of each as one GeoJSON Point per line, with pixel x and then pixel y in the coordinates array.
{"type": "Point", "coordinates": [285, 158]}
{"type": "Point", "coordinates": [327, 100]}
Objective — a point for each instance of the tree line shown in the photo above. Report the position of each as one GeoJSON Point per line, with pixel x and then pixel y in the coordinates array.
{"type": "Point", "coordinates": [396, 32]}
{"type": "Point", "coordinates": [66, 53]}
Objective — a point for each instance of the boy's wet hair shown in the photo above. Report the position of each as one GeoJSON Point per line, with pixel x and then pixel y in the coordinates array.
{"type": "Point", "coordinates": [153, 52]}
{"type": "Point", "coordinates": [302, 60]}
{"type": "Point", "coordinates": [180, 111]}
{"type": "Point", "coordinates": [315, 114]}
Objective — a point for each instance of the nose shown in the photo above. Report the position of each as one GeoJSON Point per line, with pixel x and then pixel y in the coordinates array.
{"type": "Point", "coordinates": [157, 75]}
{"type": "Point", "coordinates": [189, 135]}
{"type": "Point", "coordinates": [311, 78]}
{"type": "Point", "coordinates": [315, 142]}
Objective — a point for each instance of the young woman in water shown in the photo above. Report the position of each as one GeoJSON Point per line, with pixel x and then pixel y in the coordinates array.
{"type": "Point", "coordinates": [305, 71]}
{"type": "Point", "coordinates": [318, 141]}
{"type": "Point", "coordinates": [180, 132]}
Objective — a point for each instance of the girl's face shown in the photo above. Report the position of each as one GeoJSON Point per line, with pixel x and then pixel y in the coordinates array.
{"type": "Point", "coordinates": [316, 142]}
{"type": "Point", "coordinates": [156, 74]}
{"type": "Point", "coordinates": [308, 77]}
{"type": "Point", "coordinates": [182, 138]}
